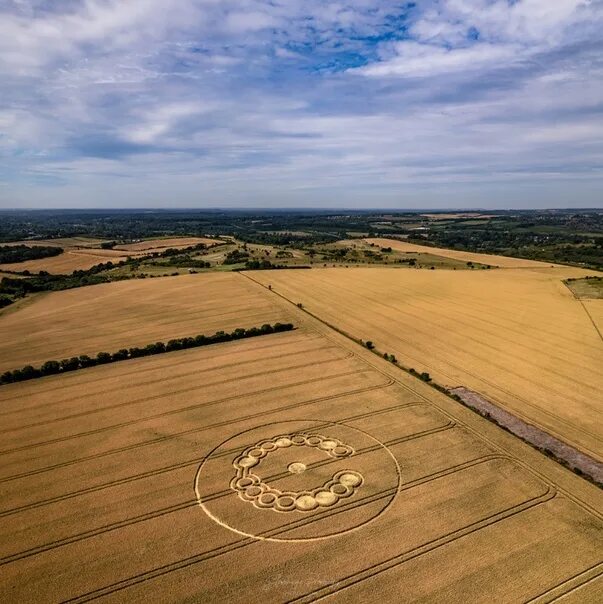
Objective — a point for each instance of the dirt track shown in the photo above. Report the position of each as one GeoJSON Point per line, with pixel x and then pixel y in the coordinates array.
{"type": "Point", "coordinates": [531, 434]}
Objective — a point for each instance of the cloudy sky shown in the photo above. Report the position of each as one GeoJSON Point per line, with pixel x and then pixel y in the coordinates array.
{"type": "Point", "coordinates": [301, 103]}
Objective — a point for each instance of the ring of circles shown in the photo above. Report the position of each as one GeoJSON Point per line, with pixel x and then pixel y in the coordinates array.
{"type": "Point", "coordinates": [251, 487]}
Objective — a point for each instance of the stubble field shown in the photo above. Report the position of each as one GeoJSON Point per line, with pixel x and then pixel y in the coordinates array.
{"type": "Point", "coordinates": [518, 337]}
{"type": "Point", "coordinates": [157, 245]}
{"type": "Point", "coordinates": [258, 470]}
{"type": "Point", "coordinates": [82, 253]}
{"type": "Point", "coordinates": [107, 317]}
{"type": "Point", "coordinates": [492, 259]}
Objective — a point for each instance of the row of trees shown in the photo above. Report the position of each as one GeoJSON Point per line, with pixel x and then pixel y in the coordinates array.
{"type": "Point", "coordinates": [81, 362]}
{"type": "Point", "coordinates": [255, 265]}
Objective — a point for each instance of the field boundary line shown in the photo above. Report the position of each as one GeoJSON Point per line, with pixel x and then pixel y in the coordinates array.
{"type": "Point", "coordinates": [153, 441]}
{"type": "Point", "coordinates": [591, 319]}
{"type": "Point", "coordinates": [574, 498]}
{"type": "Point", "coordinates": [452, 364]}
{"type": "Point", "coordinates": [565, 587]}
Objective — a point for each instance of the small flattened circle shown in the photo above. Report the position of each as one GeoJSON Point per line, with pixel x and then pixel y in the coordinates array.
{"type": "Point", "coordinates": [339, 489]}
{"type": "Point", "coordinates": [297, 467]}
{"type": "Point", "coordinates": [285, 503]}
{"type": "Point", "coordinates": [327, 445]}
{"type": "Point", "coordinates": [350, 479]}
{"type": "Point", "coordinates": [341, 451]}
{"type": "Point", "coordinates": [248, 462]}
{"type": "Point", "coordinates": [326, 498]}
{"type": "Point", "coordinates": [305, 503]}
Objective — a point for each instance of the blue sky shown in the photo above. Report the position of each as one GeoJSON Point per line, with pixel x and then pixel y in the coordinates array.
{"type": "Point", "coordinates": [291, 103]}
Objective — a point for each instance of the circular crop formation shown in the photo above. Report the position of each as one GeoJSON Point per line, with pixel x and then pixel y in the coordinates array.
{"type": "Point", "coordinates": [297, 480]}
{"type": "Point", "coordinates": [253, 489]}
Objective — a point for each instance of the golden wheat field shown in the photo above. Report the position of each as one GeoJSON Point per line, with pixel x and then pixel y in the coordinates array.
{"type": "Point", "coordinates": [157, 245]}
{"type": "Point", "coordinates": [82, 253]}
{"type": "Point", "coordinates": [291, 467]}
{"type": "Point", "coordinates": [107, 317]}
{"type": "Point", "coordinates": [492, 259]}
{"type": "Point", "coordinates": [67, 262]}
{"type": "Point", "coordinates": [518, 337]}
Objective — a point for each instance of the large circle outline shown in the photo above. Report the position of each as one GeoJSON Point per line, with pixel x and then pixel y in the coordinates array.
{"type": "Point", "coordinates": [300, 539]}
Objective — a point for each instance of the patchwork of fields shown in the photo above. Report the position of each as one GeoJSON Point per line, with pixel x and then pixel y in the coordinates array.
{"type": "Point", "coordinates": [518, 337]}
{"type": "Point", "coordinates": [107, 317]}
{"type": "Point", "coordinates": [82, 253]}
{"type": "Point", "coordinates": [149, 246]}
{"type": "Point", "coordinates": [258, 470]}
{"type": "Point", "coordinates": [492, 259]}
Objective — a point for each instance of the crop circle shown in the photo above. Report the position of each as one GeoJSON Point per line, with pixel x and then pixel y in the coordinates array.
{"type": "Point", "coordinates": [284, 481]}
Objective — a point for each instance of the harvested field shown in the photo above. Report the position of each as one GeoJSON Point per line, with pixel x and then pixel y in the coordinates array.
{"type": "Point", "coordinates": [158, 245]}
{"type": "Point", "coordinates": [457, 215]}
{"type": "Point", "coordinates": [110, 316]}
{"type": "Point", "coordinates": [518, 337]}
{"type": "Point", "coordinates": [64, 242]}
{"type": "Point", "coordinates": [67, 262]}
{"type": "Point", "coordinates": [139, 481]}
{"type": "Point", "coordinates": [587, 288]}
{"type": "Point", "coordinates": [82, 253]}
{"type": "Point", "coordinates": [493, 260]}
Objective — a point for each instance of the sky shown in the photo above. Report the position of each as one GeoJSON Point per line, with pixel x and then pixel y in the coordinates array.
{"type": "Point", "coordinates": [301, 103]}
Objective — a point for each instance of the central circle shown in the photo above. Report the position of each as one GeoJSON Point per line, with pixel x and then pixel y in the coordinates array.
{"type": "Point", "coordinates": [297, 467]}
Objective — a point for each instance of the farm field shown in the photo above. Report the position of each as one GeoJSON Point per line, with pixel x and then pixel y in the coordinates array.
{"type": "Point", "coordinates": [493, 260]}
{"type": "Point", "coordinates": [157, 245]}
{"type": "Point", "coordinates": [82, 253]}
{"type": "Point", "coordinates": [67, 262]}
{"type": "Point", "coordinates": [64, 242]}
{"type": "Point", "coordinates": [106, 317]}
{"type": "Point", "coordinates": [257, 470]}
{"type": "Point", "coordinates": [517, 337]}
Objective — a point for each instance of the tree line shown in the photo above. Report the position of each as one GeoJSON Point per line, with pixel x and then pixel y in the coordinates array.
{"type": "Point", "coordinates": [81, 362]}
{"type": "Point", "coordinates": [22, 253]}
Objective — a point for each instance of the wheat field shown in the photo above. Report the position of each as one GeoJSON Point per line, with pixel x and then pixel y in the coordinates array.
{"type": "Point", "coordinates": [107, 317]}
{"type": "Point", "coordinates": [260, 470]}
{"type": "Point", "coordinates": [491, 259]}
{"type": "Point", "coordinates": [82, 253]}
{"type": "Point", "coordinates": [157, 245]}
{"type": "Point", "coordinates": [516, 336]}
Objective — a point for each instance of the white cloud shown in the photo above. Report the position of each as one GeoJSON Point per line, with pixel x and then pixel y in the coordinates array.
{"type": "Point", "coordinates": [415, 59]}
{"type": "Point", "coordinates": [255, 100]}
